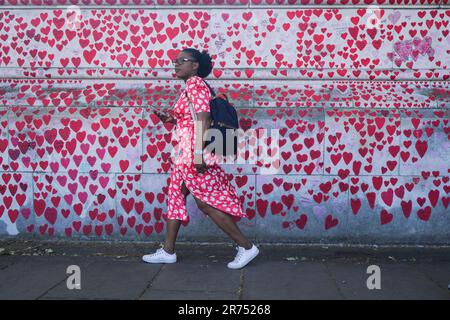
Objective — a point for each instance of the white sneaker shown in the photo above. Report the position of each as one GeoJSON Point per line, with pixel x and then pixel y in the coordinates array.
{"type": "Point", "coordinates": [243, 257]}
{"type": "Point", "coordinates": [160, 256]}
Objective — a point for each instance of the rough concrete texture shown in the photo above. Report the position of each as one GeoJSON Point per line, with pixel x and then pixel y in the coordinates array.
{"type": "Point", "coordinates": [38, 270]}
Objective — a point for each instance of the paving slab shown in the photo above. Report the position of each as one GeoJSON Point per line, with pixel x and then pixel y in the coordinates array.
{"type": "Point", "coordinates": [109, 279]}
{"type": "Point", "coordinates": [38, 270]}
{"type": "Point", "coordinates": [291, 281]}
{"type": "Point", "coordinates": [397, 281]}
{"type": "Point", "coordinates": [197, 277]}
{"type": "Point", "coordinates": [439, 273]}
{"type": "Point", "coordinates": [33, 277]}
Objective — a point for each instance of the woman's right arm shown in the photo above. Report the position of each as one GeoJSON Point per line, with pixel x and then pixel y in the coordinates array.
{"type": "Point", "coordinates": [166, 118]}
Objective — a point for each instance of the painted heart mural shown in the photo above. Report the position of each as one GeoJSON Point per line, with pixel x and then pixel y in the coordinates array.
{"type": "Point", "coordinates": [357, 101]}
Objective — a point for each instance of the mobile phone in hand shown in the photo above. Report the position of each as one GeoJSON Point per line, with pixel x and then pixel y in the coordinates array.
{"type": "Point", "coordinates": [154, 108]}
{"type": "Point", "coordinates": [159, 111]}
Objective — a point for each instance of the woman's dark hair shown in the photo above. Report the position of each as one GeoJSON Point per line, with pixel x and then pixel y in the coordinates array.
{"type": "Point", "coordinates": [204, 59]}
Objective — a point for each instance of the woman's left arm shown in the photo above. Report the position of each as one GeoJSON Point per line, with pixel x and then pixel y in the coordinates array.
{"type": "Point", "coordinates": [201, 127]}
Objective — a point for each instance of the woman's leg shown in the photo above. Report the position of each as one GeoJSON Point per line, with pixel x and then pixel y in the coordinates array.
{"type": "Point", "coordinates": [173, 226]}
{"type": "Point", "coordinates": [226, 223]}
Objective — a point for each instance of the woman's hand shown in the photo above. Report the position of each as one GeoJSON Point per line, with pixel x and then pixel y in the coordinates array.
{"type": "Point", "coordinates": [164, 117]}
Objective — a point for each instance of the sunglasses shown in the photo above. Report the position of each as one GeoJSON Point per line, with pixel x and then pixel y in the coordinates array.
{"type": "Point", "coordinates": [181, 61]}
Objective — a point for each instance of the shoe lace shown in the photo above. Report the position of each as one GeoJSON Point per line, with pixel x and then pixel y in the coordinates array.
{"type": "Point", "coordinates": [239, 254]}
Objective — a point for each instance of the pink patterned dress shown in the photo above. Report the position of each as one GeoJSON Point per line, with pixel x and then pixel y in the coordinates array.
{"type": "Point", "coordinates": [212, 186]}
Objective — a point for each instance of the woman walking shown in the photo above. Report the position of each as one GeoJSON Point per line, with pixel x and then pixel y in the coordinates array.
{"type": "Point", "coordinates": [195, 171]}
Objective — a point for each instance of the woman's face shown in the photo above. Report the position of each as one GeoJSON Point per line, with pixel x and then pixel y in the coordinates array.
{"type": "Point", "coordinates": [185, 66]}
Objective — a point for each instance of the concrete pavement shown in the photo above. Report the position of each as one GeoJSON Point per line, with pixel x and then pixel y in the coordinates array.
{"type": "Point", "coordinates": [38, 270]}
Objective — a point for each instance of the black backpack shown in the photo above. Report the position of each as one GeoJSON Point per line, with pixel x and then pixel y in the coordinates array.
{"type": "Point", "coordinates": [223, 117]}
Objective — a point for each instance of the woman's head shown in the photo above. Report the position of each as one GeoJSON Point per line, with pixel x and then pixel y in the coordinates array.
{"type": "Point", "coordinates": [191, 62]}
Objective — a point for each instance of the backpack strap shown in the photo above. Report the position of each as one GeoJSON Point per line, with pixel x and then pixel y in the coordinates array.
{"type": "Point", "coordinates": [210, 89]}
{"type": "Point", "coordinates": [222, 96]}
{"type": "Point", "coordinates": [194, 116]}
{"type": "Point", "coordinates": [213, 93]}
